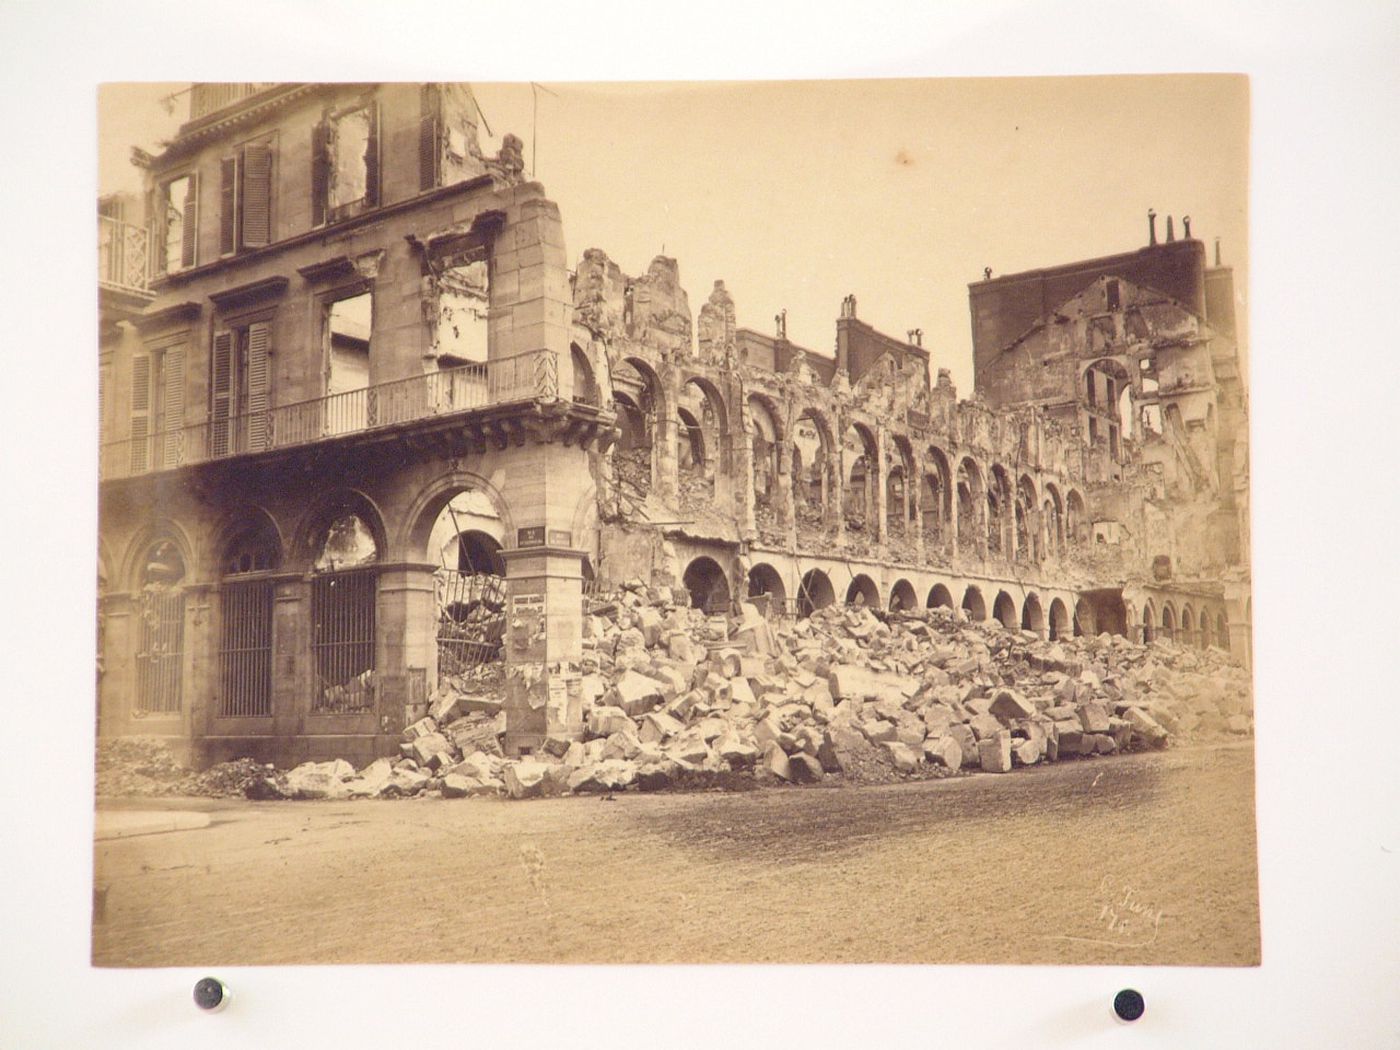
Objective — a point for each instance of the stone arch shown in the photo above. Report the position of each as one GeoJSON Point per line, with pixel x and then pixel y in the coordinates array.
{"type": "Point", "coordinates": [939, 597]}
{"type": "Point", "coordinates": [813, 466]}
{"type": "Point", "coordinates": [999, 511]}
{"type": "Point", "coordinates": [703, 417]}
{"type": "Point", "coordinates": [902, 596]}
{"type": "Point", "coordinates": [707, 583]}
{"type": "Point", "coordinates": [1059, 620]}
{"type": "Point", "coordinates": [1030, 543]}
{"type": "Point", "coordinates": [323, 512]}
{"type": "Point", "coordinates": [163, 529]}
{"type": "Point", "coordinates": [973, 603]}
{"type": "Point", "coordinates": [247, 542]}
{"type": "Point", "coordinates": [1085, 622]}
{"type": "Point", "coordinates": [1053, 509]}
{"type": "Point", "coordinates": [766, 580]}
{"type": "Point", "coordinates": [640, 399]}
{"type": "Point", "coordinates": [1076, 520]}
{"type": "Point", "coordinates": [815, 592]}
{"type": "Point", "coordinates": [1169, 621]}
{"type": "Point", "coordinates": [1188, 625]}
{"type": "Point", "coordinates": [586, 390]}
{"type": "Point", "coordinates": [972, 507]}
{"type": "Point", "coordinates": [417, 525]}
{"type": "Point", "coordinates": [1004, 610]}
{"type": "Point", "coordinates": [1032, 615]}
{"type": "Point", "coordinates": [765, 444]}
{"type": "Point", "coordinates": [936, 499]}
{"type": "Point", "coordinates": [1149, 622]}
{"type": "Point", "coordinates": [899, 488]}
{"type": "Point", "coordinates": [861, 464]}
{"type": "Point", "coordinates": [864, 592]}
{"type": "Point", "coordinates": [1222, 631]}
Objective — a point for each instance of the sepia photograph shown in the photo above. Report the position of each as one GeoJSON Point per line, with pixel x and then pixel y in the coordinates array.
{"type": "Point", "coordinates": [696, 522]}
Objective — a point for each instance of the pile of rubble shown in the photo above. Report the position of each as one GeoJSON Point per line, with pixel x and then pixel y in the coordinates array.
{"type": "Point", "coordinates": [145, 766]}
{"type": "Point", "coordinates": [675, 698]}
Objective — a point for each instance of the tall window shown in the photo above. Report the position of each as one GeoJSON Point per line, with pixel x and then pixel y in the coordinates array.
{"type": "Point", "coordinates": [245, 643]}
{"type": "Point", "coordinates": [345, 163]}
{"type": "Point", "coordinates": [158, 409]}
{"type": "Point", "coordinates": [343, 617]}
{"type": "Point", "coordinates": [175, 216]}
{"type": "Point", "coordinates": [240, 377]}
{"type": "Point", "coordinates": [160, 632]}
{"type": "Point", "coordinates": [245, 199]}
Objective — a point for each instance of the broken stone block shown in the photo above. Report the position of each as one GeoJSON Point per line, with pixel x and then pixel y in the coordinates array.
{"type": "Point", "coordinates": [688, 747]}
{"type": "Point", "coordinates": [454, 785]}
{"type": "Point", "coordinates": [420, 728]}
{"type": "Point", "coordinates": [657, 776]}
{"type": "Point", "coordinates": [804, 768]}
{"type": "Point", "coordinates": [911, 734]}
{"type": "Point", "coordinates": [1094, 717]}
{"type": "Point", "coordinates": [905, 759]}
{"type": "Point", "coordinates": [1145, 726]}
{"type": "Point", "coordinates": [937, 719]}
{"type": "Point", "coordinates": [776, 762]}
{"type": "Point", "coordinates": [1009, 704]}
{"type": "Point", "coordinates": [472, 736]}
{"type": "Point", "coordinates": [1026, 753]}
{"type": "Point", "coordinates": [966, 740]}
{"type": "Point", "coordinates": [878, 731]}
{"type": "Point", "coordinates": [525, 779]}
{"type": "Point", "coordinates": [649, 622]}
{"type": "Point", "coordinates": [985, 726]}
{"type": "Point", "coordinates": [1104, 744]}
{"type": "Point", "coordinates": [622, 745]}
{"type": "Point", "coordinates": [740, 691]}
{"type": "Point", "coordinates": [637, 693]}
{"type": "Point", "coordinates": [426, 748]}
{"type": "Point", "coordinates": [848, 680]}
{"type": "Point", "coordinates": [994, 753]}
{"type": "Point", "coordinates": [733, 750]}
{"type": "Point", "coordinates": [605, 721]}
{"type": "Point", "coordinates": [681, 647]}
{"type": "Point", "coordinates": [658, 726]}
{"type": "Point", "coordinates": [943, 751]}
{"type": "Point", "coordinates": [768, 729]}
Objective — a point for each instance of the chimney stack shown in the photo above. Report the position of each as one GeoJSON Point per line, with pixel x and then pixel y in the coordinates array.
{"type": "Point", "coordinates": [1186, 227]}
{"type": "Point", "coordinates": [1217, 251]}
{"type": "Point", "coordinates": [1151, 227]}
{"type": "Point", "coordinates": [1170, 235]}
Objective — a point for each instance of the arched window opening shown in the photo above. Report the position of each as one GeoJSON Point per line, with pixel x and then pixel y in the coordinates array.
{"type": "Point", "coordinates": [974, 604]}
{"type": "Point", "coordinates": [708, 585]}
{"type": "Point", "coordinates": [766, 591]}
{"type": "Point", "coordinates": [862, 483]}
{"type": "Point", "coordinates": [469, 584]}
{"type": "Point", "coordinates": [971, 536]}
{"type": "Point", "coordinates": [245, 634]}
{"type": "Point", "coordinates": [343, 615]}
{"type": "Point", "coordinates": [1033, 616]}
{"type": "Point", "coordinates": [939, 597]}
{"type": "Point", "coordinates": [812, 479]}
{"type": "Point", "coordinates": [863, 592]}
{"type": "Point", "coordinates": [1004, 611]}
{"type": "Point", "coordinates": [160, 637]}
{"type": "Point", "coordinates": [1059, 621]}
{"type": "Point", "coordinates": [902, 596]}
{"type": "Point", "coordinates": [815, 592]}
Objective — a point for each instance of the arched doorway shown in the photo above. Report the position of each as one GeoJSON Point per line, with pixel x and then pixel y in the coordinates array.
{"type": "Point", "coordinates": [470, 582]}
{"type": "Point", "coordinates": [902, 596]}
{"type": "Point", "coordinates": [708, 585]}
{"type": "Point", "coordinates": [1059, 620]}
{"type": "Point", "coordinates": [766, 585]}
{"type": "Point", "coordinates": [1004, 611]}
{"type": "Point", "coordinates": [939, 597]}
{"type": "Point", "coordinates": [815, 592]}
{"type": "Point", "coordinates": [1032, 615]}
{"type": "Point", "coordinates": [974, 604]}
{"type": "Point", "coordinates": [863, 591]}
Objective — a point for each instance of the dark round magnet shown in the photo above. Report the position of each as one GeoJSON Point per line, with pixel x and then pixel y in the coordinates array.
{"type": "Point", "coordinates": [1128, 1005]}
{"type": "Point", "coordinates": [210, 994]}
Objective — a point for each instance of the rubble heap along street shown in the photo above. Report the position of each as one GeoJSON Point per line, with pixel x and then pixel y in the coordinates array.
{"type": "Point", "coordinates": [675, 698]}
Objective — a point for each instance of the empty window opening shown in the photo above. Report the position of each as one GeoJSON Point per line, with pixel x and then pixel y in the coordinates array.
{"type": "Point", "coordinates": [470, 583]}
{"type": "Point", "coordinates": [348, 326]}
{"type": "Point", "coordinates": [177, 224]}
{"type": "Point", "coordinates": [767, 592]}
{"type": "Point", "coordinates": [161, 631]}
{"type": "Point", "coordinates": [343, 599]}
{"type": "Point", "coordinates": [350, 139]}
{"type": "Point", "coordinates": [463, 299]}
{"type": "Point", "coordinates": [815, 592]}
{"type": "Point", "coordinates": [708, 585]}
{"type": "Point", "coordinates": [974, 604]}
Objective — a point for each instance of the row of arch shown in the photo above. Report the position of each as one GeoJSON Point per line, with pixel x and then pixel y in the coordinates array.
{"type": "Point", "coordinates": [950, 501]}
{"type": "Point", "coordinates": [708, 586]}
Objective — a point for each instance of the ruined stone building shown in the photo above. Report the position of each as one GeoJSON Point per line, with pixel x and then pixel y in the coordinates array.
{"type": "Point", "coordinates": [362, 426]}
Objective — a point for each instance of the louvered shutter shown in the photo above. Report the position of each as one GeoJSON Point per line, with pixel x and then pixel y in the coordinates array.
{"type": "Point", "coordinates": [222, 389]}
{"type": "Point", "coordinates": [320, 173]}
{"type": "Point", "coordinates": [259, 347]}
{"type": "Point", "coordinates": [257, 196]}
{"type": "Point", "coordinates": [372, 158]}
{"type": "Point", "coordinates": [429, 136]}
{"type": "Point", "coordinates": [228, 205]}
{"type": "Point", "coordinates": [189, 231]}
{"type": "Point", "coordinates": [140, 413]}
{"type": "Point", "coordinates": [173, 417]}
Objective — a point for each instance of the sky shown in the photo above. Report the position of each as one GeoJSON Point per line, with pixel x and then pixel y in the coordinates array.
{"type": "Point", "coordinates": [797, 193]}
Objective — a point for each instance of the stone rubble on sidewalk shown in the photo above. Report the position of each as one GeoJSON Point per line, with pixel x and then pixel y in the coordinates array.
{"type": "Point", "coordinates": [674, 698]}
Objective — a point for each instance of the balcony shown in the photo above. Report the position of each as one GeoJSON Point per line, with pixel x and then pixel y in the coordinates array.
{"type": "Point", "coordinates": [123, 261]}
{"type": "Point", "coordinates": [210, 98]}
{"type": "Point", "coordinates": [438, 395]}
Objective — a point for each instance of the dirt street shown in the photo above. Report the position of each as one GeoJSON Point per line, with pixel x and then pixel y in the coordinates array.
{"type": "Point", "coordinates": [1146, 858]}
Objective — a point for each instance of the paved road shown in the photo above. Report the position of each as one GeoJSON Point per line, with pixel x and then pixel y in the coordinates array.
{"type": "Point", "coordinates": [1133, 859]}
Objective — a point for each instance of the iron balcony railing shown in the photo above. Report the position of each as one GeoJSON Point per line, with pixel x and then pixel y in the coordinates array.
{"type": "Point", "coordinates": [524, 377]}
{"type": "Point", "coordinates": [210, 98]}
{"type": "Point", "coordinates": [123, 258]}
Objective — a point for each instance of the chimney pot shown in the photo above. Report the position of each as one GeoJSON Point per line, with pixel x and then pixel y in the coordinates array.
{"type": "Point", "coordinates": [1151, 226]}
{"type": "Point", "coordinates": [1171, 236]}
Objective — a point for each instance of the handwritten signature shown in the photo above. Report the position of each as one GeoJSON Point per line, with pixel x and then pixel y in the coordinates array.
{"type": "Point", "coordinates": [1123, 915]}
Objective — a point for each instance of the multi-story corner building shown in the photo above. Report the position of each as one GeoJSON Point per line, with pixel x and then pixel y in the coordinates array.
{"type": "Point", "coordinates": [363, 427]}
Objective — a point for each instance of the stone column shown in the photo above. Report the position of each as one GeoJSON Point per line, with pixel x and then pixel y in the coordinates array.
{"type": "Point", "coordinates": [292, 673]}
{"type": "Point", "coordinates": [784, 499]}
{"type": "Point", "coordinates": [201, 643]}
{"type": "Point", "coordinates": [117, 686]}
{"type": "Point", "coordinates": [881, 470]}
{"type": "Point", "coordinates": [406, 656]}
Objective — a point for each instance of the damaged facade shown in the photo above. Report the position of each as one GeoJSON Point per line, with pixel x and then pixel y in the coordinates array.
{"type": "Point", "coordinates": [362, 427]}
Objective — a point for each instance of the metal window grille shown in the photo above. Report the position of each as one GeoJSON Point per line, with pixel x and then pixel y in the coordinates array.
{"type": "Point", "coordinates": [342, 641]}
{"type": "Point", "coordinates": [245, 652]}
{"type": "Point", "coordinates": [471, 619]}
{"type": "Point", "coordinates": [159, 660]}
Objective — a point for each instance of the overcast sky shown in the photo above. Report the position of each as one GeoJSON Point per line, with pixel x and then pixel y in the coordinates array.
{"type": "Point", "coordinates": [899, 191]}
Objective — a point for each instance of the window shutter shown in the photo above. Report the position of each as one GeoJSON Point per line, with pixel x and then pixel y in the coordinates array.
{"type": "Point", "coordinates": [257, 196]}
{"type": "Point", "coordinates": [189, 232]}
{"type": "Point", "coordinates": [222, 389]}
{"type": "Point", "coordinates": [429, 136]}
{"type": "Point", "coordinates": [228, 204]}
{"type": "Point", "coordinates": [104, 379]}
{"type": "Point", "coordinates": [320, 173]}
{"type": "Point", "coordinates": [259, 347]}
{"type": "Point", "coordinates": [372, 159]}
{"type": "Point", "coordinates": [173, 367]}
{"type": "Point", "coordinates": [140, 413]}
